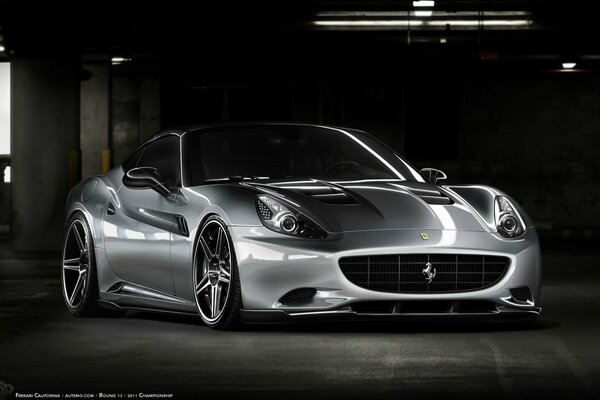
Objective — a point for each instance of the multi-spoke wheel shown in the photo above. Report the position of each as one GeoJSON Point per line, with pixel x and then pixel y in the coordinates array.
{"type": "Point", "coordinates": [80, 287]}
{"type": "Point", "coordinates": [216, 279]}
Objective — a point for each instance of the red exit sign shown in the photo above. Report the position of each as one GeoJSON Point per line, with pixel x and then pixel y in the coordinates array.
{"type": "Point", "coordinates": [489, 56]}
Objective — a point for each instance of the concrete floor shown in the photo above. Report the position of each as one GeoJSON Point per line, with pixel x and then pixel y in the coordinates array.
{"type": "Point", "coordinates": [44, 349]}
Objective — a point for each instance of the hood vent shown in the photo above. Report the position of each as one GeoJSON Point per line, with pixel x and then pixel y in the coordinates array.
{"type": "Point", "coordinates": [334, 198]}
{"type": "Point", "coordinates": [431, 196]}
{"type": "Point", "coordinates": [324, 194]}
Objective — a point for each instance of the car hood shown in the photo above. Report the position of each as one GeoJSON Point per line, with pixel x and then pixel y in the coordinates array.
{"type": "Point", "coordinates": [376, 205]}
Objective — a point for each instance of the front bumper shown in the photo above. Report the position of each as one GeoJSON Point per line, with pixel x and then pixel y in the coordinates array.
{"type": "Point", "coordinates": [272, 265]}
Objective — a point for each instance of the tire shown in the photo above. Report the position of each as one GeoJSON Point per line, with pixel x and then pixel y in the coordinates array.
{"type": "Point", "coordinates": [84, 303]}
{"type": "Point", "coordinates": [215, 270]}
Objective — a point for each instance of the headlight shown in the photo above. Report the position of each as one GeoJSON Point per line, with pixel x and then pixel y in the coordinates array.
{"type": "Point", "coordinates": [508, 221]}
{"type": "Point", "coordinates": [279, 217]}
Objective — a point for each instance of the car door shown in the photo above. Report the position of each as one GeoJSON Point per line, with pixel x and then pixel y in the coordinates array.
{"type": "Point", "coordinates": [138, 243]}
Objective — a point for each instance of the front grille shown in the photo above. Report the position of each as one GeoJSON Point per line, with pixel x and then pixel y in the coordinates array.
{"type": "Point", "coordinates": [406, 273]}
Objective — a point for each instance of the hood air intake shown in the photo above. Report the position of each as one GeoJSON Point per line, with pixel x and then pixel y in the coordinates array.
{"type": "Point", "coordinates": [431, 196]}
{"type": "Point", "coordinates": [327, 195]}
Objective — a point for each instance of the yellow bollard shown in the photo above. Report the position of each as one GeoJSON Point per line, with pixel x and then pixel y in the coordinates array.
{"type": "Point", "coordinates": [106, 160]}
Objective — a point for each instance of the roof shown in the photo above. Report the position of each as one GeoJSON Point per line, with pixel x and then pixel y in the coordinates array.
{"type": "Point", "coordinates": [183, 129]}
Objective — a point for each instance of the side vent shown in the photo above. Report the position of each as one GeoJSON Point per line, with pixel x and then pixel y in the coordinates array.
{"type": "Point", "coordinates": [298, 296]}
{"type": "Point", "coordinates": [182, 225]}
{"type": "Point", "coordinates": [110, 210]}
{"type": "Point", "coordinates": [432, 196]}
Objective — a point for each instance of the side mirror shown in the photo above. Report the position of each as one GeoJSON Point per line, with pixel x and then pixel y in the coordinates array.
{"type": "Point", "coordinates": [145, 178]}
{"type": "Point", "coordinates": [433, 175]}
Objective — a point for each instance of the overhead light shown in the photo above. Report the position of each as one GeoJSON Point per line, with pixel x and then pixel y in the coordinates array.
{"type": "Point", "coordinates": [438, 20]}
{"type": "Point", "coordinates": [443, 40]}
{"type": "Point", "coordinates": [488, 22]}
{"type": "Point", "coordinates": [423, 3]}
{"type": "Point", "coordinates": [423, 13]}
{"type": "Point", "coordinates": [2, 48]}
{"type": "Point", "coordinates": [367, 22]}
{"type": "Point", "coordinates": [454, 14]}
{"type": "Point", "coordinates": [119, 60]}
{"type": "Point", "coordinates": [403, 23]}
{"type": "Point", "coordinates": [568, 65]}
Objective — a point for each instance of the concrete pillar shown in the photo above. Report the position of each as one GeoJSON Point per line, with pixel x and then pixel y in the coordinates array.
{"type": "Point", "coordinates": [95, 119]}
{"type": "Point", "coordinates": [125, 111]}
{"type": "Point", "coordinates": [135, 107]}
{"type": "Point", "coordinates": [4, 203]}
{"type": "Point", "coordinates": [4, 192]}
{"type": "Point", "coordinates": [44, 144]}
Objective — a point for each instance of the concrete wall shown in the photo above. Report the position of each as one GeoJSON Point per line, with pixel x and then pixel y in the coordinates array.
{"type": "Point", "coordinates": [536, 135]}
{"type": "Point", "coordinates": [44, 131]}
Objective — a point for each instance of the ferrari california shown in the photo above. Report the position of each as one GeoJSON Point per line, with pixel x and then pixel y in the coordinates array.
{"type": "Point", "coordinates": [285, 222]}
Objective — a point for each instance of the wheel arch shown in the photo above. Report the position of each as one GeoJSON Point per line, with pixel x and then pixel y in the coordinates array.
{"type": "Point", "coordinates": [90, 197]}
{"type": "Point", "coordinates": [229, 316]}
{"type": "Point", "coordinates": [201, 223]}
{"type": "Point", "coordinates": [198, 229]}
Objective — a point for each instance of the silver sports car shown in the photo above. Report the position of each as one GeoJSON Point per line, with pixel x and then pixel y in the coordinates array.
{"type": "Point", "coordinates": [276, 222]}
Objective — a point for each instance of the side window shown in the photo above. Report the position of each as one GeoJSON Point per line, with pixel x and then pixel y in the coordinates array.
{"type": "Point", "coordinates": [163, 154]}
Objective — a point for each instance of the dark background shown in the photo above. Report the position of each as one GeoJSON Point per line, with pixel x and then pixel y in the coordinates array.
{"type": "Point", "coordinates": [487, 104]}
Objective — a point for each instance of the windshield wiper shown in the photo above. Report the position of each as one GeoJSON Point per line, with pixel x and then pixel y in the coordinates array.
{"type": "Point", "coordinates": [235, 178]}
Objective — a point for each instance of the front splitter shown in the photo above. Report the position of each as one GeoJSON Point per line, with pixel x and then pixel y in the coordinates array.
{"type": "Point", "coordinates": [280, 316]}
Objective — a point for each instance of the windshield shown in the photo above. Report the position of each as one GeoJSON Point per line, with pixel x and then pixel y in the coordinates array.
{"type": "Point", "coordinates": [290, 151]}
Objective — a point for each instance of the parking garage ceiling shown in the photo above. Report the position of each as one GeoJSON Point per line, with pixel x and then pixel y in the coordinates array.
{"type": "Point", "coordinates": [175, 28]}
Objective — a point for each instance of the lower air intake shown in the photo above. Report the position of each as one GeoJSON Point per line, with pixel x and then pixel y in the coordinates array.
{"type": "Point", "coordinates": [297, 296]}
{"type": "Point", "coordinates": [521, 294]}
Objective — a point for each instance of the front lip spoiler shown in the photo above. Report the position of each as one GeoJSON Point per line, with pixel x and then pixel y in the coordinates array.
{"type": "Point", "coordinates": [280, 316]}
